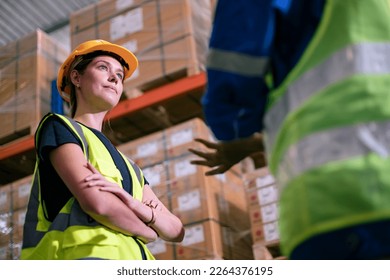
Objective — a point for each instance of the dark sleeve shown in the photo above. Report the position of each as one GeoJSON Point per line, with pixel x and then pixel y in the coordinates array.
{"type": "Point", "coordinates": [53, 134]}
{"type": "Point", "coordinates": [54, 192]}
{"type": "Point", "coordinates": [238, 59]}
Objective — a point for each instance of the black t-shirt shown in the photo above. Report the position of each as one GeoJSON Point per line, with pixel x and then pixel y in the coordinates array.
{"type": "Point", "coordinates": [55, 193]}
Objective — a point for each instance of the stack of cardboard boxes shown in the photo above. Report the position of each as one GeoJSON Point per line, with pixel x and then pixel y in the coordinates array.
{"type": "Point", "coordinates": [13, 204]}
{"type": "Point", "coordinates": [262, 196]}
{"type": "Point", "coordinates": [27, 68]}
{"type": "Point", "coordinates": [213, 209]}
{"type": "Point", "coordinates": [168, 37]}
{"type": "Point", "coordinates": [5, 222]}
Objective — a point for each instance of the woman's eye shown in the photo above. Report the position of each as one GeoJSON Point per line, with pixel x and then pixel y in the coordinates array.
{"type": "Point", "coordinates": [104, 67]}
{"type": "Point", "coordinates": [120, 76]}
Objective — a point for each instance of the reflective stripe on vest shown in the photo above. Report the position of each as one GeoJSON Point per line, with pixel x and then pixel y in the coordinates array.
{"type": "Point", "coordinates": [327, 125]}
{"type": "Point", "coordinates": [237, 63]}
{"type": "Point", "coordinates": [81, 134]}
{"type": "Point", "coordinates": [333, 145]}
{"type": "Point", "coordinates": [363, 58]}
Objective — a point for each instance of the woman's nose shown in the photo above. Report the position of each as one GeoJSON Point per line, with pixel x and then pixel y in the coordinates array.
{"type": "Point", "coordinates": [113, 77]}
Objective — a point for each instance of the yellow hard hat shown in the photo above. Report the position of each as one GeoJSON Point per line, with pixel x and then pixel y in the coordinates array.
{"type": "Point", "coordinates": [88, 47]}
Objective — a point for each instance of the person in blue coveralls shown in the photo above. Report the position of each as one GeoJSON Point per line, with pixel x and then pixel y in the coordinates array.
{"type": "Point", "coordinates": [307, 82]}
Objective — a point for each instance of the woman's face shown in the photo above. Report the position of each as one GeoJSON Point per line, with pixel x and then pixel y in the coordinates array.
{"type": "Point", "coordinates": [101, 84]}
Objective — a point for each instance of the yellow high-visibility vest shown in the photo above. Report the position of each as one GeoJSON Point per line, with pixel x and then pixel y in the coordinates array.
{"type": "Point", "coordinates": [327, 126]}
{"type": "Point", "coordinates": [73, 234]}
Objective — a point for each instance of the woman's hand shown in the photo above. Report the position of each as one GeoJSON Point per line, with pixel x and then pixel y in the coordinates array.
{"type": "Point", "coordinates": [98, 180]}
{"type": "Point", "coordinates": [142, 211]}
{"type": "Point", "coordinates": [165, 224]}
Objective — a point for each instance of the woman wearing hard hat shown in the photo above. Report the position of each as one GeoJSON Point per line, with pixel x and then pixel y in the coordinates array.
{"type": "Point", "coordinates": [88, 200]}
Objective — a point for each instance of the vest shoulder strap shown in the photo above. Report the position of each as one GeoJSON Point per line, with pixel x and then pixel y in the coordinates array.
{"type": "Point", "coordinates": [79, 130]}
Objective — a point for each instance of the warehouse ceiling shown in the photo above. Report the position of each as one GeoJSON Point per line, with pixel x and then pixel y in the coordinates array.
{"type": "Point", "coordinates": [19, 18]}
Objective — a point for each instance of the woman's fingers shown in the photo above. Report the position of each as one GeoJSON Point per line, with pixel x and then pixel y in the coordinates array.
{"type": "Point", "coordinates": [97, 179]}
{"type": "Point", "coordinates": [111, 189]}
{"type": "Point", "coordinates": [92, 168]}
{"type": "Point", "coordinates": [93, 177]}
{"type": "Point", "coordinates": [121, 194]}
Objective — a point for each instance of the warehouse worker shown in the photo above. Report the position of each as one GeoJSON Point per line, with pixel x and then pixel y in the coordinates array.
{"type": "Point", "coordinates": [88, 200]}
{"type": "Point", "coordinates": [313, 77]}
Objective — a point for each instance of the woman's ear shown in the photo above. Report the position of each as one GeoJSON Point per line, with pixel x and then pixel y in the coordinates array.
{"type": "Point", "coordinates": [75, 78]}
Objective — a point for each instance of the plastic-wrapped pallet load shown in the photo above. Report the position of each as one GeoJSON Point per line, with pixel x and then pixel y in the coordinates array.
{"type": "Point", "coordinates": [5, 222]}
{"type": "Point", "coordinates": [27, 68]}
{"type": "Point", "coordinates": [169, 37]}
{"type": "Point", "coordinates": [13, 205]}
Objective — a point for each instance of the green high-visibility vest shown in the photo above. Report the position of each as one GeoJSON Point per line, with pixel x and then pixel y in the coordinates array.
{"type": "Point", "coordinates": [327, 126]}
{"type": "Point", "coordinates": [73, 234]}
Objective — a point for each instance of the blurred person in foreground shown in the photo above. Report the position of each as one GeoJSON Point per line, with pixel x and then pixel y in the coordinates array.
{"type": "Point", "coordinates": [88, 200]}
{"type": "Point", "coordinates": [313, 78]}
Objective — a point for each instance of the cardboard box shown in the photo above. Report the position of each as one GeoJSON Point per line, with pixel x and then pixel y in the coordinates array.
{"type": "Point", "coordinates": [261, 252]}
{"type": "Point", "coordinates": [257, 232]}
{"type": "Point", "coordinates": [195, 197]}
{"type": "Point", "coordinates": [156, 175]}
{"type": "Point", "coordinates": [21, 192]}
{"type": "Point", "coordinates": [202, 240]}
{"type": "Point", "coordinates": [262, 195]}
{"type": "Point", "coordinates": [264, 214]}
{"type": "Point", "coordinates": [269, 212]}
{"type": "Point", "coordinates": [169, 38]}
{"type": "Point", "coordinates": [27, 68]}
{"type": "Point", "coordinates": [162, 250]}
{"type": "Point", "coordinates": [180, 137]}
{"type": "Point", "coordinates": [101, 11]}
{"type": "Point", "coordinates": [255, 214]}
{"type": "Point", "coordinates": [5, 198]}
{"type": "Point", "coordinates": [236, 204]}
{"type": "Point", "coordinates": [239, 244]}
{"type": "Point", "coordinates": [16, 249]}
{"type": "Point", "coordinates": [265, 232]}
{"type": "Point", "coordinates": [18, 218]}
{"type": "Point", "coordinates": [145, 151]}
{"type": "Point", "coordinates": [211, 240]}
{"type": "Point", "coordinates": [5, 252]}
{"type": "Point", "coordinates": [271, 232]}
{"type": "Point", "coordinates": [5, 228]}
{"type": "Point", "coordinates": [258, 178]}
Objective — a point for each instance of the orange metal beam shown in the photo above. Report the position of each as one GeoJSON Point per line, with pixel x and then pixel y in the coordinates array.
{"type": "Point", "coordinates": [158, 95]}
{"type": "Point", "coordinates": [16, 148]}
{"type": "Point", "coordinates": [125, 107]}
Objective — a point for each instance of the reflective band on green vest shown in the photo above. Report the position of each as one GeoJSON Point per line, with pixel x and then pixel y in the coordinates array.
{"type": "Point", "coordinates": [242, 64]}
{"type": "Point", "coordinates": [364, 58]}
{"type": "Point", "coordinates": [333, 145]}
